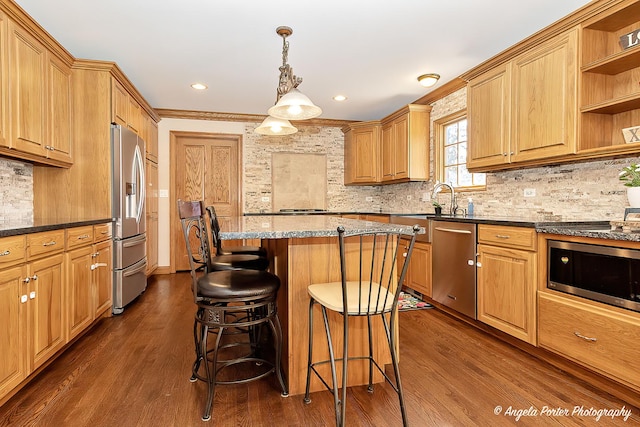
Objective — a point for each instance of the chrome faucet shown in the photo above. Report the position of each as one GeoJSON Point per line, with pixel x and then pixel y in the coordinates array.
{"type": "Point", "coordinates": [453, 207]}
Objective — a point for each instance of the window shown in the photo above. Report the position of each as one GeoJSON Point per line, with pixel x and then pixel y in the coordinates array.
{"type": "Point", "coordinates": [450, 135]}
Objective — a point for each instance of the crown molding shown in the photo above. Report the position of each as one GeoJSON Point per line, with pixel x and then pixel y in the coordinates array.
{"type": "Point", "coordinates": [166, 113]}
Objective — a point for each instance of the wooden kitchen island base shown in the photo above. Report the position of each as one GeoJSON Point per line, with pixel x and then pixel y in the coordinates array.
{"type": "Point", "coordinates": [299, 262]}
{"type": "Point", "coordinates": [304, 250]}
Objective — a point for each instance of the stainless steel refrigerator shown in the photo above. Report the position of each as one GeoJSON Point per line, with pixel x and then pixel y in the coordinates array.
{"type": "Point", "coordinates": [129, 241]}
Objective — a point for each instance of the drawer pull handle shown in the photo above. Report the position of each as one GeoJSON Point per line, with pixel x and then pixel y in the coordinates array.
{"type": "Point", "coordinates": [51, 243]}
{"type": "Point", "coordinates": [84, 236]}
{"type": "Point", "coordinates": [579, 335]}
{"type": "Point", "coordinates": [502, 236]}
{"type": "Point", "coordinates": [5, 253]}
{"type": "Point", "coordinates": [98, 265]}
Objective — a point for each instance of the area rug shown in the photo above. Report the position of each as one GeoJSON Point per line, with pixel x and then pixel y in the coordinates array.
{"type": "Point", "coordinates": [408, 302]}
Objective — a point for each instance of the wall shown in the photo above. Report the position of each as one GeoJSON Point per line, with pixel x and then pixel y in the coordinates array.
{"type": "Point", "coordinates": [16, 195]}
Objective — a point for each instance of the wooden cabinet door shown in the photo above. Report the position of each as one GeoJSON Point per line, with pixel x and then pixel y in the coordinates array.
{"type": "Point", "coordinates": [387, 152]}
{"type": "Point", "coordinates": [27, 71]}
{"type": "Point", "coordinates": [13, 311]}
{"type": "Point", "coordinates": [59, 115]}
{"type": "Point", "coordinates": [151, 139]}
{"type": "Point", "coordinates": [401, 147]}
{"type": "Point", "coordinates": [544, 102]}
{"type": "Point", "coordinates": [79, 290]}
{"type": "Point", "coordinates": [488, 117]}
{"type": "Point", "coordinates": [365, 154]}
{"type": "Point", "coordinates": [135, 116]}
{"type": "Point", "coordinates": [102, 277]}
{"type": "Point", "coordinates": [46, 300]}
{"type": "Point", "coordinates": [4, 117]}
{"type": "Point", "coordinates": [119, 103]}
{"type": "Point", "coordinates": [152, 216]}
{"type": "Point", "coordinates": [419, 277]}
{"type": "Point", "coordinates": [506, 291]}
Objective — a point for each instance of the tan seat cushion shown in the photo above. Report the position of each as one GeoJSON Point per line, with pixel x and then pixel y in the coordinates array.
{"type": "Point", "coordinates": [330, 296]}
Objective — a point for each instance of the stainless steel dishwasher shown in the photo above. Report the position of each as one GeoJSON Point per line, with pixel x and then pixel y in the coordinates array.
{"type": "Point", "coordinates": [454, 265]}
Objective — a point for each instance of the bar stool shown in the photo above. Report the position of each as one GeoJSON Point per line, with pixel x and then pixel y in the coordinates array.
{"type": "Point", "coordinates": [226, 299]}
{"type": "Point", "coordinates": [229, 250]}
{"type": "Point", "coordinates": [226, 261]}
{"type": "Point", "coordinates": [369, 286]}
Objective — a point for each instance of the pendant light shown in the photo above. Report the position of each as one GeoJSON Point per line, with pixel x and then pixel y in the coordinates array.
{"type": "Point", "coordinates": [291, 104]}
{"type": "Point", "coordinates": [273, 126]}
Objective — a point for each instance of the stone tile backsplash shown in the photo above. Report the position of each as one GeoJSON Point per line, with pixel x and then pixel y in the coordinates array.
{"type": "Point", "coordinates": [16, 195]}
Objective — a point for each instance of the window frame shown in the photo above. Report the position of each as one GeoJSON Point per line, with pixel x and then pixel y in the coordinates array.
{"type": "Point", "coordinates": [439, 138]}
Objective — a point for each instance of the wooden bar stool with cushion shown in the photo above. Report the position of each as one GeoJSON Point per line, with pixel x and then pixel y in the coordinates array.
{"type": "Point", "coordinates": [231, 299]}
{"type": "Point", "coordinates": [229, 250]}
{"type": "Point", "coordinates": [228, 261]}
{"type": "Point", "coordinates": [369, 286]}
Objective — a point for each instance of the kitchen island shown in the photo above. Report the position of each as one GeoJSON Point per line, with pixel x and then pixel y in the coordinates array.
{"type": "Point", "coordinates": [304, 250]}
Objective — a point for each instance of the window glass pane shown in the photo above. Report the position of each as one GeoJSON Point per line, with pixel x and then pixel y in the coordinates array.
{"type": "Point", "coordinates": [462, 153]}
{"type": "Point", "coordinates": [450, 155]}
{"type": "Point", "coordinates": [464, 176]}
{"type": "Point", "coordinates": [462, 130]}
{"type": "Point", "coordinates": [451, 134]}
{"type": "Point", "coordinates": [451, 175]}
{"type": "Point", "coordinates": [479, 179]}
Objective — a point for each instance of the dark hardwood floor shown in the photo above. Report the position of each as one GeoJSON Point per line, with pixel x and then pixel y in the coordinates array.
{"type": "Point", "coordinates": [133, 370]}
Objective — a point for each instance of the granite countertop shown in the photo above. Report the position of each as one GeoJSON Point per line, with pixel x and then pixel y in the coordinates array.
{"type": "Point", "coordinates": [292, 226]}
{"type": "Point", "coordinates": [28, 226]}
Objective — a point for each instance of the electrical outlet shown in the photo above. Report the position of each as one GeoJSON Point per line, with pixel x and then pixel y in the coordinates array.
{"type": "Point", "coordinates": [369, 199]}
{"type": "Point", "coordinates": [425, 197]}
{"type": "Point", "coordinates": [529, 192]}
{"type": "Point", "coordinates": [265, 198]}
{"type": "Point", "coordinates": [164, 193]}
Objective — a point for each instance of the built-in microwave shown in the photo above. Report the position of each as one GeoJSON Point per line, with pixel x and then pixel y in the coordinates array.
{"type": "Point", "coordinates": [601, 273]}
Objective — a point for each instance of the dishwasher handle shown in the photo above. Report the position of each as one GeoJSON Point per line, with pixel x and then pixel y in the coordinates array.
{"type": "Point", "coordinates": [453, 230]}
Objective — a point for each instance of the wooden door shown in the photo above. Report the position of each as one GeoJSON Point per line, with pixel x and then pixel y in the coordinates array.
{"type": "Point", "coordinates": [59, 145]}
{"type": "Point", "coordinates": [544, 100]}
{"type": "Point", "coordinates": [14, 327]}
{"type": "Point", "coordinates": [79, 292]}
{"type": "Point", "coordinates": [401, 147]}
{"type": "Point", "coordinates": [102, 277]}
{"type": "Point", "coordinates": [388, 149]}
{"type": "Point", "coordinates": [207, 167]}
{"type": "Point", "coordinates": [47, 302]}
{"type": "Point", "coordinates": [488, 114]}
{"type": "Point", "coordinates": [27, 71]}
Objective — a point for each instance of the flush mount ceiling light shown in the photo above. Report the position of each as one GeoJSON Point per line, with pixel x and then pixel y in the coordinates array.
{"type": "Point", "coordinates": [199, 86]}
{"type": "Point", "coordinates": [291, 104]}
{"type": "Point", "coordinates": [428, 80]}
{"type": "Point", "coordinates": [274, 126]}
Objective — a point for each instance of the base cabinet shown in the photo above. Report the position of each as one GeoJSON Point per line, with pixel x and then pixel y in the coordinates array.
{"type": "Point", "coordinates": [506, 280]}
{"type": "Point", "coordinates": [606, 340]}
{"type": "Point", "coordinates": [13, 318]}
{"type": "Point", "coordinates": [418, 275]}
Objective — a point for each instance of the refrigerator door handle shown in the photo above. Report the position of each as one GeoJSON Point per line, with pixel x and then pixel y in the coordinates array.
{"type": "Point", "coordinates": [139, 174]}
{"type": "Point", "coordinates": [142, 267]}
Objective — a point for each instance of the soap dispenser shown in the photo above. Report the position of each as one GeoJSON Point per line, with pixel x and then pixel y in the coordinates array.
{"type": "Point", "coordinates": [470, 207]}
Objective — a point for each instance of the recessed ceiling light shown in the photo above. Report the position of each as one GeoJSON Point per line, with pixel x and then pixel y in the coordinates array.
{"type": "Point", "coordinates": [199, 86]}
{"type": "Point", "coordinates": [339, 98]}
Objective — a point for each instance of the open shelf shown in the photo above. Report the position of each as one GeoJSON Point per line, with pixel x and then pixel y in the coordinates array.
{"type": "Point", "coordinates": [614, 106]}
{"type": "Point", "coordinates": [615, 64]}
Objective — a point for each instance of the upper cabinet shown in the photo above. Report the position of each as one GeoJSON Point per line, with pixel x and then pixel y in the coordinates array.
{"type": "Point", "coordinates": [610, 94]}
{"type": "Point", "coordinates": [405, 144]}
{"type": "Point", "coordinates": [38, 94]}
{"type": "Point", "coordinates": [524, 110]}
{"type": "Point", "coordinates": [362, 153]}
{"type": "Point", "coordinates": [3, 82]}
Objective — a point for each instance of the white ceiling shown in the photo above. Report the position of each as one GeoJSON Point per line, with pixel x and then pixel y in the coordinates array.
{"type": "Point", "coordinates": [369, 50]}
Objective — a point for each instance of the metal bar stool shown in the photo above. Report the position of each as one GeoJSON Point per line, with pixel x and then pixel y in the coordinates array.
{"type": "Point", "coordinates": [223, 261]}
{"type": "Point", "coordinates": [230, 299]}
{"type": "Point", "coordinates": [229, 250]}
{"type": "Point", "coordinates": [369, 286]}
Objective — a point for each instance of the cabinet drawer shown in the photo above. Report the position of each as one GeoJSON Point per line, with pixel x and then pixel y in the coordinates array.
{"type": "Point", "coordinates": [47, 242]}
{"type": "Point", "coordinates": [607, 341]}
{"type": "Point", "coordinates": [12, 250]}
{"type": "Point", "coordinates": [79, 236]}
{"type": "Point", "coordinates": [511, 237]}
{"type": "Point", "coordinates": [101, 232]}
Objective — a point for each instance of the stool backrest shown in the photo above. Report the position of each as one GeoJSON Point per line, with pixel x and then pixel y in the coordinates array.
{"type": "Point", "coordinates": [373, 266]}
{"type": "Point", "coordinates": [196, 237]}
{"type": "Point", "coordinates": [215, 229]}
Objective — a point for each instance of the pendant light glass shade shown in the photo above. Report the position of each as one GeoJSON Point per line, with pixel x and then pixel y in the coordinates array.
{"type": "Point", "coordinates": [274, 126]}
{"type": "Point", "coordinates": [294, 105]}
